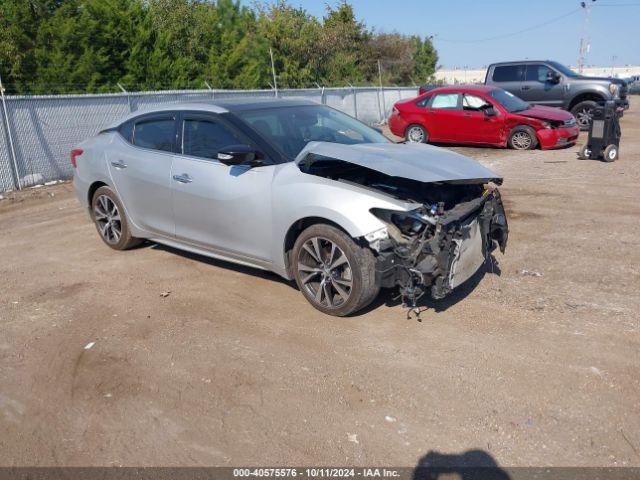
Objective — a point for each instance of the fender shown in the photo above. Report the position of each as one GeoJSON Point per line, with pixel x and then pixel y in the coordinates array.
{"type": "Point", "coordinates": [575, 95]}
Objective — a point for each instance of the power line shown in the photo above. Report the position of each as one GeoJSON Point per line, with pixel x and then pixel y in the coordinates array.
{"type": "Point", "coordinates": [533, 27]}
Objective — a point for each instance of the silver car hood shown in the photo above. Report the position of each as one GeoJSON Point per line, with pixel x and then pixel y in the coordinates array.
{"type": "Point", "coordinates": [424, 163]}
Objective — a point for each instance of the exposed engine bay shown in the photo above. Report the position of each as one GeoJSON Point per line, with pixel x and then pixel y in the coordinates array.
{"type": "Point", "coordinates": [435, 247]}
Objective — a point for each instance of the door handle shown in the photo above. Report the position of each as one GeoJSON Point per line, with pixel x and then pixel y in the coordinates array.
{"type": "Point", "coordinates": [525, 87]}
{"type": "Point", "coordinates": [466, 114]}
{"type": "Point", "coordinates": [119, 164]}
{"type": "Point", "coordinates": [184, 178]}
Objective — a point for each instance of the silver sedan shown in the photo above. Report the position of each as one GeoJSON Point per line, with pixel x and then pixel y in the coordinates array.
{"type": "Point", "coordinates": [296, 188]}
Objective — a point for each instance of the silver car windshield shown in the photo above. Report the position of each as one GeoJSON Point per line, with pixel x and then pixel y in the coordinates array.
{"type": "Point", "coordinates": [290, 128]}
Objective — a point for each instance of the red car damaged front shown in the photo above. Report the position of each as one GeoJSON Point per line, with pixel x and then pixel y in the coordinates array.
{"type": "Point", "coordinates": [554, 128]}
{"type": "Point", "coordinates": [481, 115]}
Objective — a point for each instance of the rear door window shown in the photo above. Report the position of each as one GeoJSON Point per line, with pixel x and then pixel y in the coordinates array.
{"type": "Point", "coordinates": [204, 137]}
{"type": "Point", "coordinates": [445, 101]}
{"type": "Point", "coordinates": [157, 133]}
{"type": "Point", "coordinates": [508, 73]}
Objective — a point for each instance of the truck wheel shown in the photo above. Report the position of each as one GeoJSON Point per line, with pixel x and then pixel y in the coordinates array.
{"type": "Point", "coordinates": [583, 112]}
{"type": "Point", "coordinates": [523, 138]}
{"type": "Point", "coordinates": [610, 153]}
{"type": "Point", "coordinates": [416, 134]}
{"type": "Point", "coordinates": [584, 153]}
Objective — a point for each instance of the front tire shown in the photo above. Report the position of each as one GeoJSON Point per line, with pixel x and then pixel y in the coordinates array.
{"type": "Point", "coordinates": [583, 112]}
{"type": "Point", "coordinates": [110, 219]}
{"type": "Point", "coordinates": [334, 274]}
{"type": "Point", "coordinates": [416, 134]}
{"type": "Point", "coordinates": [523, 138]}
{"type": "Point", "coordinates": [584, 153]}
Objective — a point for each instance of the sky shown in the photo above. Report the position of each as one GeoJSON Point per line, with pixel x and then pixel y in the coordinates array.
{"type": "Point", "coordinates": [464, 30]}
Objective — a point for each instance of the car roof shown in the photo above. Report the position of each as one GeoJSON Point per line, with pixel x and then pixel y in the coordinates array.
{"type": "Point", "coordinates": [519, 62]}
{"type": "Point", "coordinates": [218, 106]}
{"type": "Point", "coordinates": [248, 103]}
{"type": "Point", "coordinates": [462, 89]}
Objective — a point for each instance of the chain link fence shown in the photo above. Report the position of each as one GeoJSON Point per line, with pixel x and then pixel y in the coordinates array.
{"type": "Point", "coordinates": [38, 132]}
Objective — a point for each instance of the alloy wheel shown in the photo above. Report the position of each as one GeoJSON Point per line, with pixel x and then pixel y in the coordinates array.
{"type": "Point", "coordinates": [325, 272]}
{"type": "Point", "coordinates": [521, 140]}
{"type": "Point", "coordinates": [415, 135]}
{"type": "Point", "coordinates": [108, 220]}
{"type": "Point", "coordinates": [583, 117]}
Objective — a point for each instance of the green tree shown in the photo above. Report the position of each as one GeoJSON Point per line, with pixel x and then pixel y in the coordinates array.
{"type": "Point", "coordinates": [52, 46]}
{"type": "Point", "coordinates": [425, 59]}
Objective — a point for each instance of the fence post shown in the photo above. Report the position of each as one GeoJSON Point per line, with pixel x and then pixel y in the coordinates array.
{"type": "Point", "coordinates": [213, 93]}
{"type": "Point", "coordinates": [377, 91]}
{"type": "Point", "coordinates": [128, 97]}
{"type": "Point", "coordinates": [355, 100]}
{"type": "Point", "coordinates": [323, 100]}
{"type": "Point", "coordinates": [12, 149]}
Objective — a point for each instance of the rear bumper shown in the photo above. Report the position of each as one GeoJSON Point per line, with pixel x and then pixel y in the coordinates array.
{"type": "Point", "coordinates": [397, 125]}
{"type": "Point", "coordinates": [557, 137]}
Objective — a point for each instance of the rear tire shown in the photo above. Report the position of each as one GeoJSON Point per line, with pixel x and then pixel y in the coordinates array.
{"type": "Point", "coordinates": [334, 274]}
{"type": "Point", "coordinates": [583, 112]}
{"type": "Point", "coordinates": [110, 219]}
{"type": "Point", "coordinates": [610, 153]}
{"type": "Point", "coordinates": [523, 138]}
{"type": "Point", "coordinates": [416, 134]}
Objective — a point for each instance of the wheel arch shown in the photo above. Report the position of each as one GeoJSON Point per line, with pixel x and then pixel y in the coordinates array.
{"type": "Point", "coordinates": [299, 226]}
{"type": "Point", "coordinates": [584, 96]}
{"type": "Point", "coordinates": [92, 190]}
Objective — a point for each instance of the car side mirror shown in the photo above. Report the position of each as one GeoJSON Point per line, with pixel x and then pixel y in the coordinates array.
{"type": "Point", "coordinates": [240, 155]}
{"type": "Point", "coordinates": [553, 77]}
{"type": "Point", "coordinates": [490, 112]}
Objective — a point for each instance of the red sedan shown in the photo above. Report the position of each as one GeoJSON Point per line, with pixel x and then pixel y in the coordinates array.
{"type": "Point", "coordinates": [481, 115]}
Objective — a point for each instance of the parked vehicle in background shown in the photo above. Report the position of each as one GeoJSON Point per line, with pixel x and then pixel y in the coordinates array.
{"type": "Point", "coordinates": [482, 115]}
{"type": "Point", "coordinates": [297, 188]}
{"type": "Point", "coordinates": [552, 84]}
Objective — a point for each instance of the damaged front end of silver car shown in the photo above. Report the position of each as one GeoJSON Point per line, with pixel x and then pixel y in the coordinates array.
{"type": "Point", "coordinates": [442, 244]}
{"type": "Point", "coordinates": [458, 222]}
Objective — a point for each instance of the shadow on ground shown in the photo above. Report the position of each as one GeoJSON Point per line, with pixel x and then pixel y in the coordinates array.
{"type": "Point", "coordinates": [389, 297]}
{"type": "Point", "coordinates": [470, 465]}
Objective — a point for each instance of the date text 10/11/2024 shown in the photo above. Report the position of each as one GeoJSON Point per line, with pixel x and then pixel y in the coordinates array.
{"type": "Point", "coordinates": [316, 472]}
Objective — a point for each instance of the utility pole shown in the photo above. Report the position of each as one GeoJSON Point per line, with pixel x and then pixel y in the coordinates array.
{"type": "Point", "coordinates": [584, 40]}
{"type": "Point", "coordinates": [273, 70]}
{"type": "Point", "coordinates": [613, 63]}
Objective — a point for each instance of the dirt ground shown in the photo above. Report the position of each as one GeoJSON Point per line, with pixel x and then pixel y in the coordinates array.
{"type": "Point", "coordinates": [537, 363]}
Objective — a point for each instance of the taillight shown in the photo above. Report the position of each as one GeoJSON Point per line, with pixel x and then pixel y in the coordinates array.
{"type": "Point", "coordinates": [395, 111]}
{"type": "Point", "coordinates": [74, 157]}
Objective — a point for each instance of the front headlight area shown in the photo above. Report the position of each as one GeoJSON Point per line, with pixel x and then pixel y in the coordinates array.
{"type": "Point", "coordinates": [614, 90]}
{"type": "Point", "coordinates": [401, 226]}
